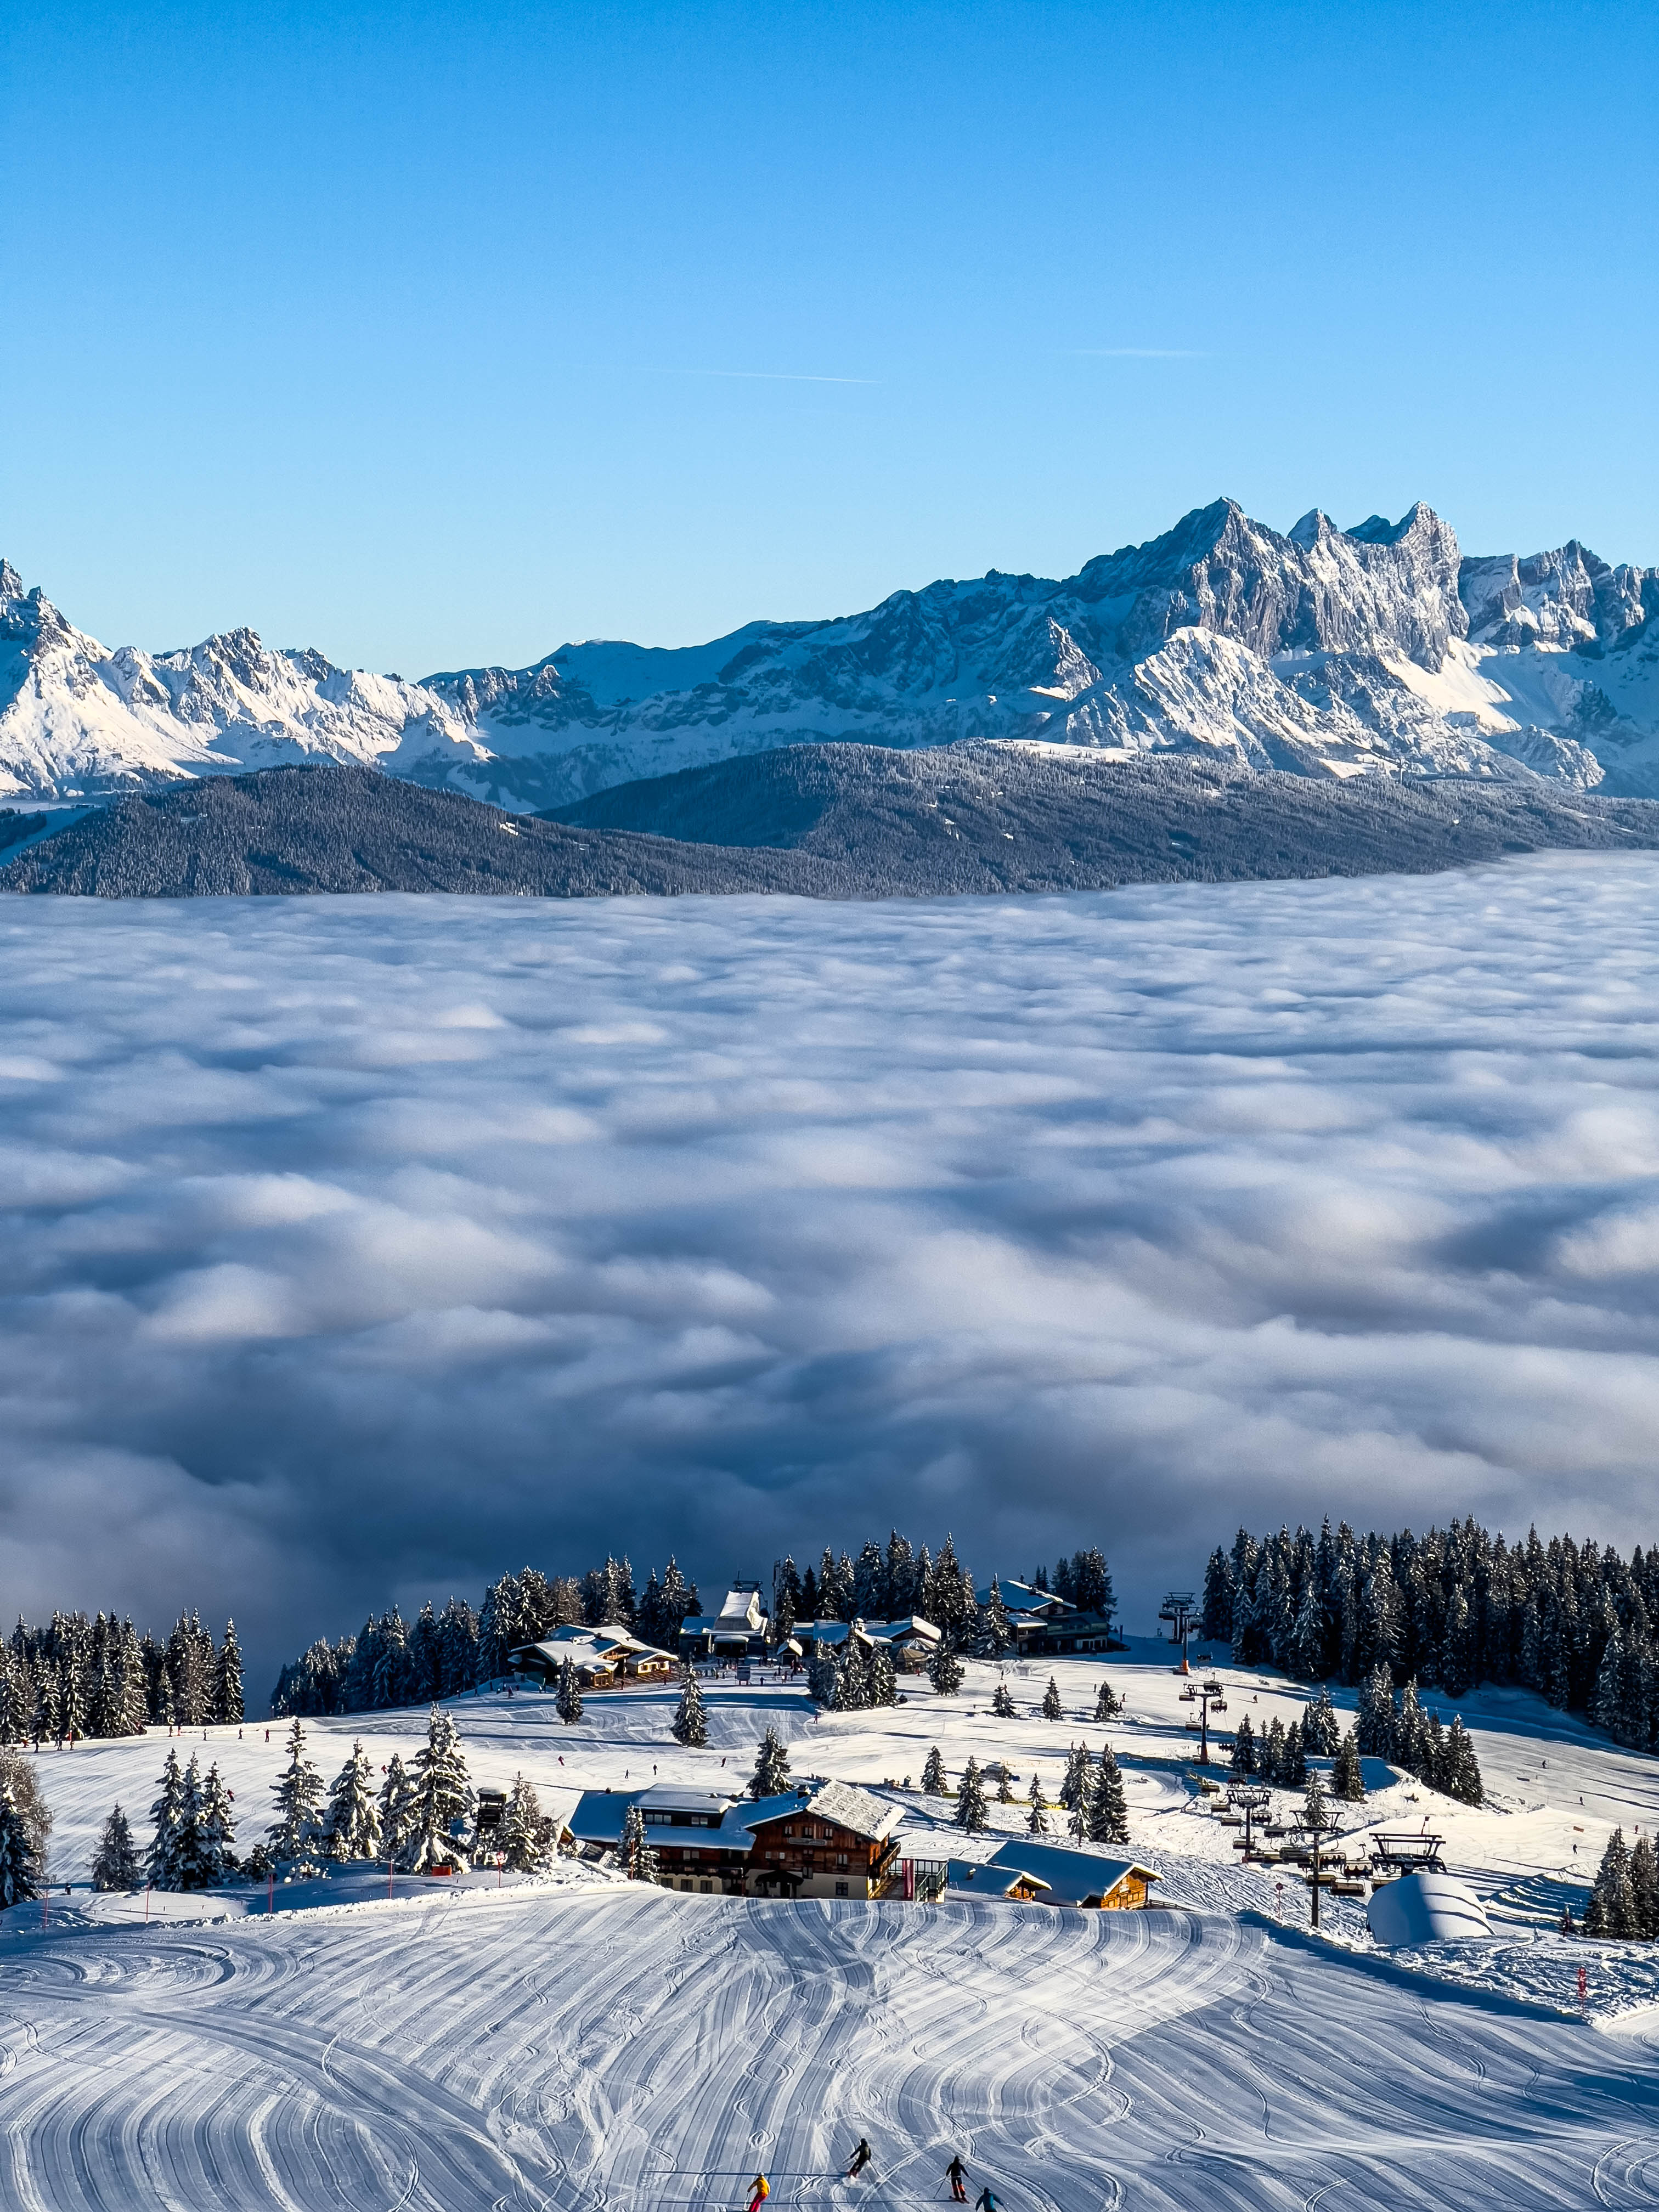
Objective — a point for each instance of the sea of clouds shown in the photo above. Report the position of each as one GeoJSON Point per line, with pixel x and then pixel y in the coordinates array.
{"type": "Point", "coordinates": [362, 1247]}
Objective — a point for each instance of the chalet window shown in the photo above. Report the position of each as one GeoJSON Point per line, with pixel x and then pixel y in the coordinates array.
{"type": "Point", "coordinates": [841, 1889]}
{"type": "Point", "coordinates": [841, 1862]}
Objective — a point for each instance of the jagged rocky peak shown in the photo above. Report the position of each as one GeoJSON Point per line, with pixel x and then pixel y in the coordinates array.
{"type": "Point", "coordinates": [1318, 590]}
{"type": "Point", "coordinates": [1566, 597]}
{"type": "Point", "coordinates": [11, 584]}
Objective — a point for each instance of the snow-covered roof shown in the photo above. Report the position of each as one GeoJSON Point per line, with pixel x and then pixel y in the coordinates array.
{"type": "Point", "coordinates": [678, 1798]}
{"type": "Point", "coordinates": [852, 1808]}
{"type": "Point", "coordinates": [1071, 1875]}
{"type": "Point", "coordinates": [1020, 1599]}
{"type": "Point", "coordinates": [582, 1644]}
{"type": "Point", "coordinates": [986, 1879]}
{"type": "Point", "coordinates": [741, 1609]}
{"type": "Point", "coordinates": [912, 1625]}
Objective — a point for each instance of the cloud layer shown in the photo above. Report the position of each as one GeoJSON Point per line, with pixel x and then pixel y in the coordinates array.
{"type": "Point", "coordinates": [362, 1247]}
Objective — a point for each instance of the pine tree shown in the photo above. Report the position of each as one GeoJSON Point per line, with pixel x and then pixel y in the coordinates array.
{"type": "Point", "coordinates": [115, 1862]}
{"type": "Point", "coordinates": [1644, 1888]}
{"type": "Point", "coordinates": [216, 1828]}
{"type": "Point", "coordinates": [945, 1670]}
{"type": "Point", "coordinates": [525, 1839]}
{"type": "Point", "coordinates": [1076, 1769]}
{"type": "Point", "coordinates": [995, 1632]}
{"type": "Point", "coordinates": [1004, 1785]}
{"type": "Point", "coordinates": [1243, 1759]}
{"type": "Point", "coordinates": [444, 1801]}
{"type": "Point", "coordinates": [1002, 1702]}
{"type": "Point", "coordinates": [1083, 1805]}
{"type": "Point", "coordinates": [1611, 1911]}
{"type": "Point", "coordinates": [882, 1687]}
{"type": "Point", "coordinates": [1293, 1765]}
{"type": "Point", "coordinates": [1038, 1823]}
{"type": "Point", "coordinates": [397, 1810]}
{"type": "Point", "coordinates": [192, 1868]}
{"type": "Point", "coordinates": [932, 1774]}
{"type": "Point", "coordinates": [19, 1862]}
{"type": "Point", "coordinates": [690, 1723]}
{"type": "Point", "coordinates": [1321, 1730]}
{"type": "Point", "coordinates": [351, 1826]}
{"type": "Point", "coordinates": [1270, 1759]}
{"type": "Point", "coordinates": [1216, 1626]}
{"type": "Point", "coordinates": [971, 1812]}
{"type": "Point", "coordinates": [1052, 1708]}
{"type": "Point", "coordinates": [228, 1705]}
{"type": "Point", "coordinates": [1461, 1768]}
{"type": "Point", "coordinates": [771, 1776]}
{"type": "Point", "coordinates": [1314, 1815]}
{"type": "Point", "coordinates": [161, 1860]}
{"type": "Point", "coordinates": [639, 1860]}
{"type": "Point", "coordinates": [1107, 1705]}
{"type": "Point", "coordinates": [1374, 1718]}
{"type": "Point", "coordinates": [299, 1794]}
{"type": "Point", "coordinates": [569, 1699]}
{"type": "Point", "coordinates": [1109, 1813]}
{"type": "Point", "coordinates": [1346, 1780]}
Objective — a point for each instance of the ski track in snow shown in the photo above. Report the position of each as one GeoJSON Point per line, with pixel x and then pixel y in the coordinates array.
{"type": "Point", "coordinates": [630, 2048]}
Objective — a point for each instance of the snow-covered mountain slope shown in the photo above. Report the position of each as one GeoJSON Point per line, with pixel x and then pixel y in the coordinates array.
{"type": "Point", "coordinates": [1322, 651]}
{"type": "Point", "coordinates": [77, 721]}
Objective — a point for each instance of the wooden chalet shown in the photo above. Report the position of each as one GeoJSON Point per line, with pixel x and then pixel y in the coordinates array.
{"type": "Point", "coordinates": [824, 1839]}
{"type": "Point", "coordinates": [1073, 1876]}
{"type": "Point", "coordinates": [603, 1659]}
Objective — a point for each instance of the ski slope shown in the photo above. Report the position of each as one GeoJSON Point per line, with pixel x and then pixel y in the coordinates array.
{"type": "Point", "coordinates": [630, 2049]}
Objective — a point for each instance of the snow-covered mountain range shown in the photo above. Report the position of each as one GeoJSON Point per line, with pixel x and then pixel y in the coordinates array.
{"type": "Point", "coordinates": [1325, 651]}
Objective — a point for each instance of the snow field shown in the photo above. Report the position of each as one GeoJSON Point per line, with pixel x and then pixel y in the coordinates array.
{"type": "Point", "coordinates": [630, 2048]}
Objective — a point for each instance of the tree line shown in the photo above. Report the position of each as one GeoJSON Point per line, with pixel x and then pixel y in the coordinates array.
{"type": "Point", "coordinates": [1451, 1609]}
{"type": "Point", "coordinates": [392, 1662]}
{"type": "Point", "coordinates": [77, 1678]}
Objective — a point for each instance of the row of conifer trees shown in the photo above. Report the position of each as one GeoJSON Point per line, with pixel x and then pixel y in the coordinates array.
{"type": "Point", "coordinates": [77, 1677]}
{"type": "Point", "coordinates": [391, 1661]}
{"type": "Point", "coordinates": [1449, 1609]}
{"type": "Point", "coordinates": [419, 1816]}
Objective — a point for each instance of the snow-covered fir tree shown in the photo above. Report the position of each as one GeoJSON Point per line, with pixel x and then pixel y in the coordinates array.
{"type": "Point", "coordinates": [217, 1825]}
{"type": "Point", "coordinates": [995, 1632]}
{"type": "Point", "coordinates": [1292, 1763]}
{"type": "Point", "coordinates": [1002, 1701]}
{"type": "Point", "coordinates": [1053, 1710]}
{"type": "Point", "coordinates": [1243, 1759]}
{"type": "Point", "coordinates": [1315, 1812]}
{"type": "Point", "coordinates": [569, 1698]}
{"type": "Point", "coordinates": [1038, 1824]}
{"type": "Point", "coordinates": [1108, 1704]}
{"type": "Point", "coordinates": [690, 1723]}
{"type": "Point", "coordinates": [945, 1670]}
{"type": "Point", "coordinates": [161, 1865]}
{"type": "Point", "coordinates": [20, 1860]}
{"type": "Point", "coordinates": [1321, 1730]}
{"type": "Point", "coordinates": [228, 1703]}
{"type": "Point", "coordinates": [397, 1810]}
{"type": "Point", "coordinates": [638, 1860]}
{"type": "Point", "coordinates": [970, 1799]}
{"type": "Point", "coordinates": [1644, 1888]}
{"type": "Point", "coordinates": [932, 1774]}
{"type": "Point", "coordinates": [1374, 1715]}
{"type": "Point", "coordinates": [115, 1862]}
{"type": "Point", "coordinates": [444, 1798]}
{"type": "Point", "coordinates": [883, 1687]}
{"type": "Point", "coordinates": [1004, 1785]}
{"type": "Point", "coordinates": [193, 1866]}
{"type": "Point", "coordinates": [1083, 1805]}
{"type": "Point", "coordinates": [300, 1796]}
{"type": "Point", "coordinates": [1108, 1811]}
{"type": "Point", "coordinates": [771, 1776]}
{"type": "Point", "coordinates": [1347, 1782]}
{"type": "Point", "coordinates": [525, 1842]}
{"type": "Point", "coordinates": [1611, 1913]}
{"type": "Point", "coordinates": [351, 1826]}
{"type": "Point", "coordinates": [1077, 1768]}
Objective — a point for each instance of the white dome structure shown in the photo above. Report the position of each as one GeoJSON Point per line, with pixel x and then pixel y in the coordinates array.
{"type": "Point", "coordinates": [1425, 1908]}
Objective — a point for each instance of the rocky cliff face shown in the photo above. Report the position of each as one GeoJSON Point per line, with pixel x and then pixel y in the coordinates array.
{"type": "Point", "coordinates": [1330, 653]}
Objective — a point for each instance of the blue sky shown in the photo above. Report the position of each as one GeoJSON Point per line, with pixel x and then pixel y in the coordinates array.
{"type": "Point", "coordinates": [440, 335]}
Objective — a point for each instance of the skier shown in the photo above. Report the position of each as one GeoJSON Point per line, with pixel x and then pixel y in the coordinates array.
{"type": "Point", "coordinates": [860, 2160]}
{"type": "Point", "coordinates": [986, 2203]}
{"type": "Point", "coordinates": [958, 2173]}
{"type": "Point", "coordinates": [760, 2189]}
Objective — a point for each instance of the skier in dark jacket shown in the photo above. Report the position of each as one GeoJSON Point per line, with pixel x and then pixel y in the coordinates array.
{"type": "Point", "coordinates": [958, 2173]}
{"type": "Point", "coordinates": [861, 2158]}
{"type": "Point", "coordinates": [986, 2203]}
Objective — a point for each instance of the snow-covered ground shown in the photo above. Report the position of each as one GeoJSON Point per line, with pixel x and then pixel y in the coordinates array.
{"type": "Point", "coordinates": [579, 2040]}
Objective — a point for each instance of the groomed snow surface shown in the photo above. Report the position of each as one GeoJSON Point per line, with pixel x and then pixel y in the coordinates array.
{"type": "Point", "coordinates": [586, 2042]}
